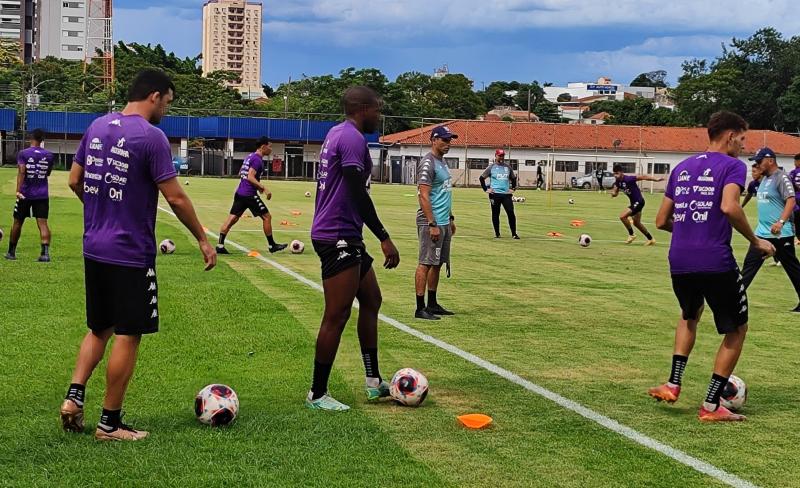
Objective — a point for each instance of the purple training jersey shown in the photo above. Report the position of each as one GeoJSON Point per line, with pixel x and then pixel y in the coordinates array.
{"type": "Point", "coordinates": [701, 233]}
{"type": "Point", "coordinates": [629, 187]}
{"type": "Point", "coordinates": [254, 161]}
{"type": "Point", "coordinates": [38, 164]}
{"type": "Point", "coordinates": [336, 216]}
{"type": "Point", "coordinates": [794, 177]}
{"type": "Point", "coordinates": [124, 158]}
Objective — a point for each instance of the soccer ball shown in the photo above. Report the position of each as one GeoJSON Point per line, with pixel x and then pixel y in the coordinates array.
{"type": "Point", "coordinates": [216, 405]}
{"type": "Point", "coordinates": [297, 247]}
{"type": "Point", "coordinates": [167, 246]}
{"type": "Point", "coordinates": [571, 201]}
{"type": "Point", "coordinates": [308, 194]}
{"type": "Point", "coordinates": [187, 183]}
{"type": "Point", "coordinates": [734, 394]}
{"type": "Point", "coordinates": [409, 387]}
{"type": "Point", "coordinates": [521, 199]}
{"type": "Point", "coordinates": [584, 240]}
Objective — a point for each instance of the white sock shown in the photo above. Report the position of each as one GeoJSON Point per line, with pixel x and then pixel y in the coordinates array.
{"type": "Point", "coordinates": [373, 382]}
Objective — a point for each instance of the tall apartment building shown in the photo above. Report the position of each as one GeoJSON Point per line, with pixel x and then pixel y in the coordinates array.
{"type": "Point", "coordinates": [62, 29]}
{"type": "Point", "coordinates": [18, 23]}
{"type": "Point", "coordinates": [232, 42]}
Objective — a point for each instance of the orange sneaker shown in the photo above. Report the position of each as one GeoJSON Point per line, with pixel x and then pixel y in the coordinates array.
{"type": "Point", "coordinates": [71, 416]}
{"type": "Point", "coordinates": [665, 393]}
{"type": "Point", "coordinates": [121, 433]}
{"type": "Point", "coordinates": [721, 414]}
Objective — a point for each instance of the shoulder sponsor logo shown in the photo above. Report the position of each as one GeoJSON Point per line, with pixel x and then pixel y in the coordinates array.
{"type": "Point", "coordinates": [702, 156]}
{"type": "Point", "coordinates": [706, 176]}
{"type": "Point", "coordinates": [96, 144]}
{"type": "Point", "coordinates": [90, 190]}
{"type": "Point", "coordinates": [115, 194]}
{"type": "Point", "coordinates": [684, 176]}
{"type": "Point", "coordinates": [116, 179]}
{"type": "Point", "coordinates": [92, 176]}
{"type": "Point", "coordinates": [116, 122]}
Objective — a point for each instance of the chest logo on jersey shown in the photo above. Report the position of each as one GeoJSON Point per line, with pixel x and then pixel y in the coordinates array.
{"type": "Point", "coordinates": [118, 149]}
{"type": "Point", "coordinates": [706, 176]}
{"type": "Point", "coordinates": [684, 176]}
{"type": "Point", "coordinates": [96, 144]}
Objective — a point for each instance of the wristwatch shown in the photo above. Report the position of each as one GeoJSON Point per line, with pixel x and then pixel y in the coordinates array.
{"type": "Point", "coordinates": [781, 221]}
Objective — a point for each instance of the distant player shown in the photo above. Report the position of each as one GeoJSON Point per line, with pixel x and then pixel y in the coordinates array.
{"type": "Point", "coordinates": [343, 207]}
{"type": "Point", "coordinates": [34, 167]}
{"type": "Point", "coordinates": [121, 165]}
{"type": "Point", "coordinates": [752, 187]}
{"type": "Point", "coordinates": [700, 205]}
{"type": "Point", "coordinates": [246, 197]}
{"type": "Point", "coordinates": [794, 175]}
{"type": "Point", "coordinates": [776, 204]}
{"type": "Point", "coordinates": [435, 223]}
{"type": "Point", "coordinates": [502, 185]}
{"type": "Point", "coordinates": [628, 186]}
{"type": "Point", "coordinates": [598, 173]}
{"type": "Point", "coordinates": [539, 177]}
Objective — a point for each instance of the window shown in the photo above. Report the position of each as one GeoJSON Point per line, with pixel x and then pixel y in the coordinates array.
{"type": "Point", "coordinates": [67, 33]}
{"type": "Point", "coordinates": [533, 162]}
{"type": "Point", "coordinates": [71, 48]}
{"type": "Point", "coordinates": [627, 167]}
{"type": "Point", "coordinates": [477, 163]}
{"type": "Point", "coordinates": [658, 168]}
{"type": "Point", "coordinates": [592, 166]}
{"type": "Point", "coordinates": [72, 4]}
{"type": "Point", "coordinates": [514, 163]}
{"type": "Point", "coordinates": [451, 163]}
{"type": "Point", "coordinates": [71, 20]}
{"type": "Point", "coordinates": [567, 166]}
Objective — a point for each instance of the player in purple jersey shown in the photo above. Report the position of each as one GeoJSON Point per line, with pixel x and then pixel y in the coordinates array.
{"type": "Point", "coordinates": [794, 175]}
{"type": "Point", "coordinates": [343, 207]}
{"type": "Point", "coordinates": [246, 197]}
{"type": "Point", "coordinates": [752, 187]}
{"type": "Point", "coordinates": [34, 167]}
{"type": "Point", "coordinates": [700, 205]}
{"type": "Point", "coordinates": [121, 165]}
{"type": "Point", "coordinates": [627, 185]}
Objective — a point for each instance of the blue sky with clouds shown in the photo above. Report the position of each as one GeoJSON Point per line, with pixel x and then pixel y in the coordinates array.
{"type": "Point", "coordinates": [545, 40]}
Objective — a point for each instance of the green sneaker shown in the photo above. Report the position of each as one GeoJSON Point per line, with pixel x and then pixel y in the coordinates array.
{"type": "Point", "coordinates": [326, 402]}
{"type": "Point", "coordinates": [381, 391]}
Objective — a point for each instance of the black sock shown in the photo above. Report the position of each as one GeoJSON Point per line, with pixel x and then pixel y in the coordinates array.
{"type": "Point", "coordinates": [432, 298]}
{"type": "Point", "coordinates": [370, 357]}
{"type": "Point", "coordinates": [319, 386]}
{"type": "Point", "coordinates": [45, 249]}
{"type": "Point", "coordinates": [649, 236]}
{"type": "Point", "coordinates": [222, 237]}
{"type": "Point", "coordinates": [12, 248]}
{"type": "Point", "coordinates": [678, 367]}
{"type": "Point", "coordinates": [715, 389]}
{"type": "Point", "coordinates": [270, 240]}
{"type": "Point", "coordinates": [111, 418]}
{"type": "Point", "coordinates": [630, 231]}
{"type": "Point", "coordinates": [76, 393]}
{"type": "Point", "coordinates": [420, 302]}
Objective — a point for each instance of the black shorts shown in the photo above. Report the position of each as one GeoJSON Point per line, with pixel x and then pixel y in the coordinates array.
{"type": "Point", "coordinates": [39, 209]}
{"type": "Point", "coordinates": [254, 204]}
{"type": "Point", "coordinates": [121, 297]}
{"type": "Point", "coordinates": [636, 207]}
{"type": "Point", "coordinates": [797, 223]}
{"type": "Point", "coordinates": [336, 257]}
{"type": "Point", "coordinates": [724, 292]}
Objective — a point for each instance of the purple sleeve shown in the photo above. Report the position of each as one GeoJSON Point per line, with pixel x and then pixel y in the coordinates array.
{"type": "Point", "coordinates": [257, 164]}
{"type": "Point", "coordinates": [737, 173]}
{"type": "Point", "coordinates": [352, 151]}
{"type": "Point", "coordinates": [160, 157]}
{"type": "Point", "coordinates": [670, 191]}
{"type": "Point", "coordinates": [80, 155]}
{"type": "Point", "coordinates": [21, 158]}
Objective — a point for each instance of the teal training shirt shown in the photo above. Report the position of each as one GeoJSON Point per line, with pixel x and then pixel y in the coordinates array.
{"type": "Point", "coordinates": [434, 173]}
{"type": "Point", "coordinates": [501, 176]}
{"type": "Point", "coordinates": [773, 191]}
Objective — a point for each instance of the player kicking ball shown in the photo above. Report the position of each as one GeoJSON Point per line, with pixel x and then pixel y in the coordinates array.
{"type": "Point", "coordinates": [700, 207]}
{"type": "Point", "coordinates": [246, 198]}
{"type": "Point", "coordinates": [628, 185]}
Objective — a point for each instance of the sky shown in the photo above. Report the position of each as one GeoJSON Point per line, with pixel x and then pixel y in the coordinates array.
{"type": "Point", "coordinates": [555, 41]}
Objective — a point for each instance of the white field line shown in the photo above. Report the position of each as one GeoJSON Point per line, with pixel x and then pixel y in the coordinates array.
{"type": "Point", "coordinates": [609, 423]}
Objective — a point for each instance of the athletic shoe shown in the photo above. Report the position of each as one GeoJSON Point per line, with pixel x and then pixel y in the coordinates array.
{"type": "Point", "coordinates": [665, 393]}
{"type": "Point", "coordinates": [516, 237]}
{"type": "Point", "coordinates": [630, 239]}
{"type": "Point", "coordinates": [425, 315]}
{"type": "Point", "coordinates": [222, 250]}
{"type": "Point", "coordinates": [121, 433]}
{"type": "Point", "coordinates": [277, 247]}
{"type": "Point", "coordinates": [721, 414]}
{"type": "Point", "coordinates": [796, 309]}
{"type": "Point", "coordinates": [497, 236]}
{"type": "Point", "coordinates": [71, 416]}
{"type": "Point", "coordinates": [651, 242]}
{"type": "Point", "coordinates": [381, 391]}
{"type": "Point", "coordinates": [44, 258]}
{"type": "Point", "coordinates": [326, 402]}
{"type": "Point", "coordinates": [11, 257]}
{"type": "Point", "coordinates": [438, 310]}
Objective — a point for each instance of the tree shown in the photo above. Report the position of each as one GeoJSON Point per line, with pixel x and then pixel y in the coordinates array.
{"type": "Point", "coordinates": [9, 53]}
{"type": "Point", "coordinates": [634, 111]}
{"type": "Point", "coordinates": [564, 97]}
{"type": "Point", "coordinates": [654, 79]}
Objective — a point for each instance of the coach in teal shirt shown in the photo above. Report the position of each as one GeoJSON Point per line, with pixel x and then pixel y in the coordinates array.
{"type": "Point", "coordinates": [776, 201]}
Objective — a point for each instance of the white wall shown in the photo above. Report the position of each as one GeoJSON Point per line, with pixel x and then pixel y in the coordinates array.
{"type": "Point", "coordinates": [53, 37]}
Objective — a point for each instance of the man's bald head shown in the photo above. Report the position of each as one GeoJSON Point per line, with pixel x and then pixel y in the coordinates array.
{"type": "Point", "coordinates": [357, 98]}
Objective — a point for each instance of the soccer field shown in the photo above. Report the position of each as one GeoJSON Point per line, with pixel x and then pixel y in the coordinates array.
{"type": "Point", "coordinates": [594, 325]}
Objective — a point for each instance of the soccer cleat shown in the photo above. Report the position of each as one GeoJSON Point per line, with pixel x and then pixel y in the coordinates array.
{"type": "Point", "coordinates": [650, 242]}
{"type": "Point", "coordinates": [438, 310]}
{"type": "Point", "coordinates": [665, 393]}
{"type": "Point", "coordinates": [381, 391]}
{"type": "Point", "coordinates": [222, 250]}
{"type": "Point", "coordinates": [425, 315]}
{"type": "Point", "coordinates": [796, 309]}
{"type": "Point", "coordinates": [630, 239]}
{"type": "Point", "coordinates": [721, 414]}
{"type": "Point", "coordinates": [44, 258]}
{"type": "Point", "coordinates": [516, 237]}
{"type": "Point", "coordinates": [71, 416]}
{"type": "Point", "coordinates": [121, 433]}
{"type": "Point", "coordinates": [11, 257]}
{"type": "Point", "coordinates": [497, 236]}
{"type": "Point", "coordinates": [326, 402]}
{"type": "Point", "coordinates": [277, 247]}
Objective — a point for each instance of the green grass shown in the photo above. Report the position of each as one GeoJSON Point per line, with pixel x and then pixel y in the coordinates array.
{"type": "Point", "coordinates": [594, 325]}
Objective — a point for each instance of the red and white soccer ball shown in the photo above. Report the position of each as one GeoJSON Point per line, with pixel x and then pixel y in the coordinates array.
{"type": "Point", "coordinates": [409, 387]}
{"type": "Point", "coordinates": [216, 405]}
{"type": "Point", "coordinates": [297, 247]}
{"type": "Point", "coordinates": [585, 240]}
{"type": "Point", "coordinates": [734, 395]}
{"type": "Point", "coordinates": [167, 246]}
